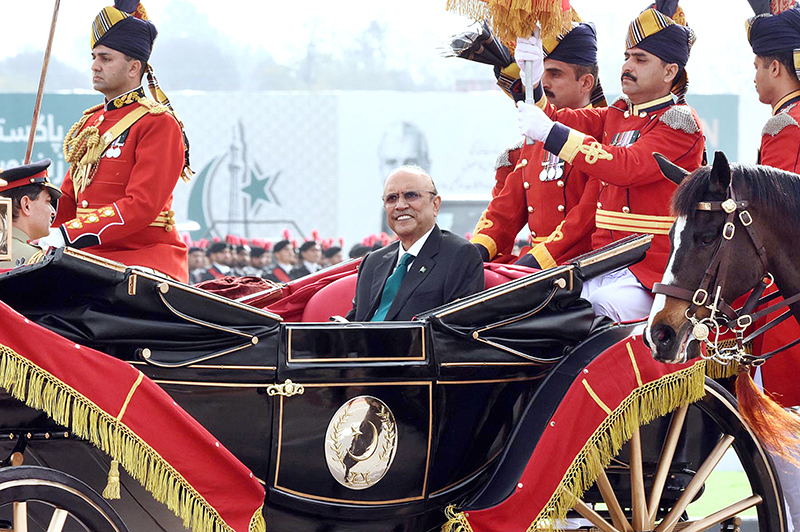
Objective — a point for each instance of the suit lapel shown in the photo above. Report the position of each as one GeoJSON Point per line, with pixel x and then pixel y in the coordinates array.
{"type": "Point", "coordinates": [420, 269]}
{"type": "Point", "coordinates": [383, 269]}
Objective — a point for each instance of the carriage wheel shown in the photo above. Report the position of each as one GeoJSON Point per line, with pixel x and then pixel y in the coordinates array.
{"type": "Point", "coordinates": [642, 511]}
{"type": "Point", "coordinates": [34, 499]}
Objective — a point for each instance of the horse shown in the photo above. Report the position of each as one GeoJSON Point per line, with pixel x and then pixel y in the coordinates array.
{"type": "Point", "coordinates": [735, 230]}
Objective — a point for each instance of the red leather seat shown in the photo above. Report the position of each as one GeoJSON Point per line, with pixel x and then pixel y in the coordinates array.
{"type": "Point", "coordinates": [335, 299]}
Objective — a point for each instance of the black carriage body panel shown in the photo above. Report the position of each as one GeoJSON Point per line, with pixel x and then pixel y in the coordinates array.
{"type": "Point", "coordinates": [122, 312]}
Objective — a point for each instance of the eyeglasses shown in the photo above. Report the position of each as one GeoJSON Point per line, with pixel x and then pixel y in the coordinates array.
{"type": "Point", "coordinates": [410, 196]}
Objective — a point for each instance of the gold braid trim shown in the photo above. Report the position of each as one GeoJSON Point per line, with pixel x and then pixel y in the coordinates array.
{"type": "Point", "coordinates": [456, 521]}
{"type": "Point", "coordinates": [42, 391]}
{"type": "Point", "coordinates": [644, 404]}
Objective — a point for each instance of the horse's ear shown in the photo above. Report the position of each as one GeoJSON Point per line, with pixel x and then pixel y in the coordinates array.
{"type": "Point", "coordinates": [720, 173]}
{"type": "Point", "coordinates": [671, 171]}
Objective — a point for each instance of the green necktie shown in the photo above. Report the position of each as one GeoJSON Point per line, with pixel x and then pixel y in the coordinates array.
{"type": "Point", "coordinates": [392, 286]}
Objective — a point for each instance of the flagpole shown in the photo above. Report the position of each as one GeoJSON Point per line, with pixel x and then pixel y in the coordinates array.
{"type": "Point", "coordinates": [40, 92]}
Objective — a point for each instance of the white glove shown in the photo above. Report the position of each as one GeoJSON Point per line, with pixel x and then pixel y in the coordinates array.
{"type": "Point", "coordinates": [533, 122]}
{"type": "Point", "coordinates": [529, 52]}
{"type": "Point", "coordinates": [55, 239]}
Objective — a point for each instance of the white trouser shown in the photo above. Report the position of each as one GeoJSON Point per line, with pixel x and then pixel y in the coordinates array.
{"type": "Point", "coordinates": [789, 474]}
{"type": "Point", "coordinates": [618, 295]}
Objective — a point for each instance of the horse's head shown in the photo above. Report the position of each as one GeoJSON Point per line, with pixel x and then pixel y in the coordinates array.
{"type": "Point", "coordinates": [696, 236]}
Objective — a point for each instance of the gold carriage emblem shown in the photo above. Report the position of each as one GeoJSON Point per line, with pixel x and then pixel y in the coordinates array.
{"type": "Point", "coordinates": [361, 442]}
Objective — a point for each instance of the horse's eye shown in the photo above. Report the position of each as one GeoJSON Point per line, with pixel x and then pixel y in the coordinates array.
{"type": "Point", "coordinates": [706, 239]}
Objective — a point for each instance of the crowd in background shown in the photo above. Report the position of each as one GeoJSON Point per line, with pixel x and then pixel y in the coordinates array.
{"type": "Point", "coordinates": [276, 260]}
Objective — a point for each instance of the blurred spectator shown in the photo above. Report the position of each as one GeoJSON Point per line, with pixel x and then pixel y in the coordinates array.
{"type": "Point", "coordinates": [259, 260]}
{"type": "Point", "coordinates": [283, 253]}
{"type": "Point", "coordinates": [241, 261]}
{"type": "Point", "coordinates": [197, 264]}
{"type": "Point", "coordinates": [359, 250]}
{"type": "Point", "coordinates": [310, 258]}
{"type": "Point", "coordinates": [332, 256]}
{"type": "Point", "coordinates": [220, 256]}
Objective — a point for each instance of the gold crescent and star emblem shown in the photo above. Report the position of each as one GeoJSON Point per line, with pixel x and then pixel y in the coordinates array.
{"type": "Point", "coordinates": [361, 442]}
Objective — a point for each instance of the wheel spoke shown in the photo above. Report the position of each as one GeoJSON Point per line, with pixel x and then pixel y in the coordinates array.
{"type": "Point", "coordinates": [20, 517]}
{"type": "Point", "coordinates": [638, 498]}
{"type": "Point", "coordinates": [587, 513]}
{"type": "Point", "coordinates": [617, 514]}
{"type": "Point", "coordinates": [664, 461]}
{"type": "Point", "coordinates": [721, 515]}
{"type": "Point", "coordinates": [694, 486]}
{"type": "Point", "coordinates": [58, 520]}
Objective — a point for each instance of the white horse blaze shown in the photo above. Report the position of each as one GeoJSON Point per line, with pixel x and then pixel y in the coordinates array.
{"type": "Point", "coordinates": [660, 300]}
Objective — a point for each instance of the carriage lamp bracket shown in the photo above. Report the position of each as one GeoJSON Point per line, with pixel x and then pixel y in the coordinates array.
{"type": "Point", "coordinates": [146, 354]}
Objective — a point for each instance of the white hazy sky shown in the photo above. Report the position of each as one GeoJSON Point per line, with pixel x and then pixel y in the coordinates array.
{"type": "Point", "coordinates": [721, 60]}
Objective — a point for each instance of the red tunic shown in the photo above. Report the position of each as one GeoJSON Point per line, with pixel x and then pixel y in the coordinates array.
{"type": "Point", "coordinates": [125, 212]}
{"type": "Point", "coordinates": [615, 145]}
{"type": "Point", "coordinates": [780, 148]}
{"type": "Point", "coordinates": [506, 163]}
{"type": "Point", "coordinates": [552, 198]}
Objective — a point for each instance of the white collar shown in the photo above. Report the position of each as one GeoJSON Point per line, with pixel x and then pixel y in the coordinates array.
{"type": "Point", "coordinates": [415, 248]}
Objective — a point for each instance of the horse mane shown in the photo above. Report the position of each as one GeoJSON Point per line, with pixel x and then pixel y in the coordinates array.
{"type": "Point", "coordinates": [773, 192]}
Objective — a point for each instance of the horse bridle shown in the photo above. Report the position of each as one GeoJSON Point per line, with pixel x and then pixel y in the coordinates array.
{"type": "Point", "coordinates": [708, 294]}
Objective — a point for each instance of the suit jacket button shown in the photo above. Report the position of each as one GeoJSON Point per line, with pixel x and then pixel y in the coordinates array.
{"type": "Point", "coordinates": [560, 183]}
{"type": "Point", "coordinates": [533, 234]}
{"type": "Point", "coordinates": [526, 185]}
{"type": "Point", "coordinates": [84, 204]}
{"type": "Point", "coordinates": [530, 208]}
{"type": "Point", "coordinates": [599, 205]}
{"type": "Point", "coordinates": [626, 209]}
{"type": "Point", "coordinates": [560, 208]}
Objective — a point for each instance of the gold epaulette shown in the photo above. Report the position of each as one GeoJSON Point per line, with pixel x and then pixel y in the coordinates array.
{"type": "Point", "coordinates": [92, 109]}
{"type": "Point", "coordinates": [153, 107]}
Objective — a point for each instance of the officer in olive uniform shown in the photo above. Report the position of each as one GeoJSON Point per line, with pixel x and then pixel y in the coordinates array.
{"type": "Point", "coordinates": [33, 200]}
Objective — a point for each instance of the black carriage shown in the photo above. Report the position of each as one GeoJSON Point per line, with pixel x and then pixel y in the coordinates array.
{"type": "Point", "coordinates": [372, 426]}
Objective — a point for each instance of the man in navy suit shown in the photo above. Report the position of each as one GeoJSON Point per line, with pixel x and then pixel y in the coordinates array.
{"type": "Point", "coordinates": [440, 267]}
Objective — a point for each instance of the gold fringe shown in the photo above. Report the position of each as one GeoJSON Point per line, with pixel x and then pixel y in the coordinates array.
{"type": "Point", "coordinates": [42, 391]}
{"type": "Point", "coordinates": [653, 400]}
{"type": "Point", "coordinates": [258, 523]}
{"type": "Point", "coordinates": [717, 370]}
{"type": "Point", "coordinates": [515, 18]}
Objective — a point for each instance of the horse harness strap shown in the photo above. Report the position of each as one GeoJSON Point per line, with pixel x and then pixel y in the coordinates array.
{"type": "Point", "coordinates": [715, 275]}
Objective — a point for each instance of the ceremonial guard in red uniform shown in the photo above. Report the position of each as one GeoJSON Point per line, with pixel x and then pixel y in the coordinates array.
{"type": "Point", "coordinates": [775, 39]}
{"type": "Point", "coordinates": [543, 191]}
{"type": "Point", "coordinates": [616, 145]}
{"type": "Point", "coordinates": [126, 156]}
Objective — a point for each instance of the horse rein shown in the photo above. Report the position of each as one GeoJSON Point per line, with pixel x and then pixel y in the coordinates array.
{"type": "Point", "coordinates": [708, 294]}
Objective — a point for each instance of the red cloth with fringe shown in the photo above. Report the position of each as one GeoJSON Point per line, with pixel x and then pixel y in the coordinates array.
{"type": "Point", "coordinates": [577, 419]}
{"type": "Point", "coordinates": [206, 466]}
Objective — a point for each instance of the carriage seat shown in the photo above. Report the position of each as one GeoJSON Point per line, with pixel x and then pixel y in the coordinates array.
{"type": "Point", "coordinates": [336, 299]}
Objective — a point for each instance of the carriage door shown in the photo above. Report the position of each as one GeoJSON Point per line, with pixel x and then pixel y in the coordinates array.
{"type": "Point", "coordinates": [354, 424]}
